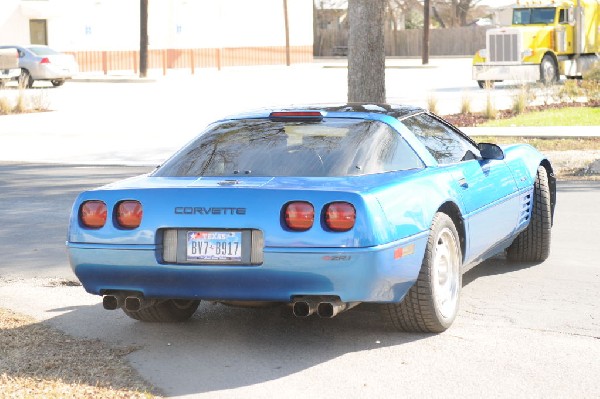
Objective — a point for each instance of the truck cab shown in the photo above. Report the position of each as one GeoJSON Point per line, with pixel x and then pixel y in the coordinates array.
{"type": "Point", "coordinates": [545, 40]}
{"type": "Point", "coordinates": [9, 65]}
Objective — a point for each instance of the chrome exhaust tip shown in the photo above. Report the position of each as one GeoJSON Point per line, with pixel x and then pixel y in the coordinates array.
{"type": "Point", "coordinates": [112, 302]}
{"type": "Point", "coordinates": [303, 308]}
{"type": "Point", "coordinates": [133, 303]}
{"type": "Point", "coordinates": [327, 310]}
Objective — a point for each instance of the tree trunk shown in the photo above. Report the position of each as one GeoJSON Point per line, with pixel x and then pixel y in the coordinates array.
{"type": "Point", "coordinates": [426, 23]}
{"type": "Point", "coordinates": [366, 52]}
{"type": "Point", "coordinates": [438, 18]}
{"type": "Point", "coordinates": [463, 11]}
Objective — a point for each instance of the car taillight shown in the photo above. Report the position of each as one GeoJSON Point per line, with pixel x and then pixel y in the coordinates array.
{"type": "Point", "coordinates": [92, 214]}
{"type": "Point", "coordinates": [45, 60]}
{"type": "Point", "coordinates": [129, 214]}
{"type": "Point", "coordinates": [299, 215]}
{"type": "Point", "coordinates": [340, 216]}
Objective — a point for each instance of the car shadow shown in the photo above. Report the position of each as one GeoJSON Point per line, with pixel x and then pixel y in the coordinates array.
{"type": "Point", "coordinates": [495, 266]}
{"type": "Point", "coordinates": [35, 209]}
{"type": "Point", "coordinates": [223, 347]}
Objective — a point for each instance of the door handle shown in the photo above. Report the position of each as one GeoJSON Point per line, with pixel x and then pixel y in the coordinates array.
{"type": "Point", "coordinates": [463, 182]}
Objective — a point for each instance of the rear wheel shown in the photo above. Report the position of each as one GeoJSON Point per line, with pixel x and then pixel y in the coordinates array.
{"type": "Point", "coordinates": [431, 303]}
{"type": "Point", "coordinates": [485, 84]}
{"type": "Point", "coordinates": [25, 79]}
{"type": "Point", "coordinates": [167, 311]}
{"type": "Point", "coordinates": [533, 243]}
{"type": "Point", "coordinates": [57, 82]}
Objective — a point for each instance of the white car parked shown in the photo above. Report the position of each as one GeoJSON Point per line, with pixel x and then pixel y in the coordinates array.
{"type": "Point", "coordinates": [39, 62]}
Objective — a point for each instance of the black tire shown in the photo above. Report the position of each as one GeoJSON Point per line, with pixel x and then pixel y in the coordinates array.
{"type": "Point", "coordinates": [167, 311]}
{"type": "Point", "coordinates": [548, 70]}
{"type": "Point", "coordinates": [25, 79]}
{"type": "Point", "coordinates": [431, 304]}
{"type": "Point", "coordinates": [533, 243]}
{"type": "Point", "coordinates": [57, 82]}
{"type": "Point", "coordinates": [485, 84]}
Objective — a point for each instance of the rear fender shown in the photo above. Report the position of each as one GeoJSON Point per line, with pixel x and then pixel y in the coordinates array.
{"type": "Point", "coordinates": [523, 161]}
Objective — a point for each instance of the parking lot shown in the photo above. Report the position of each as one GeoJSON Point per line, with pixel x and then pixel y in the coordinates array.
{"type": "Point", "coordinates": [521, 331]}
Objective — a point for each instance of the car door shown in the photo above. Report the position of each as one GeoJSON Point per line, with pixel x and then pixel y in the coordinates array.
{"type": "Point", "coordinates": [487, 189]}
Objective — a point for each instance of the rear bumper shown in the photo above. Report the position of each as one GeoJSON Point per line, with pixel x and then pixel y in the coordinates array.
{"type": "Point", "coordinates": [10, 73]}
{"type": "Point", "coordinates": [374, 274]}
{"type": "Point", "coordinates": [52, 72]}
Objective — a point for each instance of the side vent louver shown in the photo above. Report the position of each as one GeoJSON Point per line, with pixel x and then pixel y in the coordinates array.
{"type": "Point", "coordinates": [525, 209]}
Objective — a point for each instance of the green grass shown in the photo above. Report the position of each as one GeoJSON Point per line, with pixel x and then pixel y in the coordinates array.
{"type": "Point", "coordinates": [573, 116]}
{"type": "Point", "coordinates": [546, 144]}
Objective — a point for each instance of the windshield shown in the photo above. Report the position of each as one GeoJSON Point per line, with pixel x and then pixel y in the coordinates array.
{"type": "Point", "coordinates": [261, 147]}
{"type": "Point", "coordinates": [527, 16]}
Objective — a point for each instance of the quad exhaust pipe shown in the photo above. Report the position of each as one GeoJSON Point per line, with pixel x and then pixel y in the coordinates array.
{"type": "Point", "coordinates": [113, 301]}
{"type": "Point", "coordinates": [306, 306]}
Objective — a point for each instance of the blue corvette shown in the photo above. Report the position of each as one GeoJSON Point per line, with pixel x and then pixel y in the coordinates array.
{"type": "Point", "coordinates": [321, 208]}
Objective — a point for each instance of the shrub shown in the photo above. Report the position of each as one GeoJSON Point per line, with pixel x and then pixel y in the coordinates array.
{"type": "Point", "coordinates": [432, 103]}
{"type": "Point", "coordinates": [21, 105]}
{"type": "Point", "coordinates": [521, 99]}
{"type": "Point", "coordinates": [491, 112]}
{"type": "Point", "coordinates": [570, 91]}
{"type": "Point", "coordinates": [40, 101]}
{"type": "Point", "coordinates": [5, 107]}
{"type": "Point", "coordinates": [465, 104]}
{"type": "Point", "coordinates": [593, 73]}
{"type": "Point", "coordinates": [591, 88]}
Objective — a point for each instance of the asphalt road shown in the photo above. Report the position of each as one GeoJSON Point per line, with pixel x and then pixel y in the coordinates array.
{"type": "Point", "coordinates": [522, 330]}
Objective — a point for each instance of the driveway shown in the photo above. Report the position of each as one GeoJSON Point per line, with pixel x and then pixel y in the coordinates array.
{"type": "Point", "coordinates": [524, 331]}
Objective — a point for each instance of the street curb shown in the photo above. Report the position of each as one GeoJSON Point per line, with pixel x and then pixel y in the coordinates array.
{"type": "Point", "coordinates": [113, 79]}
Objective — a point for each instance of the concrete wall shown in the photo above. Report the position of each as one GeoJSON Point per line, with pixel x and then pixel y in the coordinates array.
{"type": "Point", "coordinates": [104, 25]}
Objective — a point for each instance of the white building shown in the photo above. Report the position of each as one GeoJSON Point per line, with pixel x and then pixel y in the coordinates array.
{"type": "Point", "coordinates": [238, 32]}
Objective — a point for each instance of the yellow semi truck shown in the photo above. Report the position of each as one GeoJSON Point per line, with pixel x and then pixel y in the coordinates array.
{"type": "Point", "coordinates": [546, 39]}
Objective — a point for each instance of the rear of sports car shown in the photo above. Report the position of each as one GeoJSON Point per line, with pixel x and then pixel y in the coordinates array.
{"type": "Point", "coordinates": [274, 209]}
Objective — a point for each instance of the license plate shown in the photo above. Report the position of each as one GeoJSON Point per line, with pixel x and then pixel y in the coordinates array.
{"type": "Point", "coordinates": [214, 246]}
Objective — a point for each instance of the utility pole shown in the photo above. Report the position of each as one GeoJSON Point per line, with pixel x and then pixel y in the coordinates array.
{"type": "Point", "coordinates": [287, 33]}
{"type": "Point", "coordinates": [425, 55]}
{"type": "Point", "coordinates": [143, 38]}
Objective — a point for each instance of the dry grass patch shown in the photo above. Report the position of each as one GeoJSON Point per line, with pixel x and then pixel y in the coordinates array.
{"type": "Point", "coordinates": [38, 361]}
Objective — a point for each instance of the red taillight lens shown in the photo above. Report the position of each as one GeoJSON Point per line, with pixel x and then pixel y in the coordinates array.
{"type": "Point", "coordinates": [299, 215]}
{"type": "Point", "coordinates": [129, 214]}
{"type": "Point", "coordinates": [92, 214]}
{"type": "Point", "coordinates": [340, 216]}
{"type": "Point", "coordinates": [45, 60]}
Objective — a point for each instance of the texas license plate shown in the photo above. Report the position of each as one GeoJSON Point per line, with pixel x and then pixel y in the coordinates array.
{"type": "Point", "coordinates": [214, 246]}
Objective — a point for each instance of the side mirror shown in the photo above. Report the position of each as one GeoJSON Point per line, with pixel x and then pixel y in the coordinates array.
{"type": "Point", "coordinates": [490, 151]}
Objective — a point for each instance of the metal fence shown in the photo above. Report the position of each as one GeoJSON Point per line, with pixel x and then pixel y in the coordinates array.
{"type": "Point", "coordinates": [107, 61]}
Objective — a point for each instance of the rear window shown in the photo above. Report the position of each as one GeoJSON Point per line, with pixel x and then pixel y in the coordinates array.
{"type": "Point", "coordinates": [42, 51]}
{"type": "Point", "coordinates": [333, 147]}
